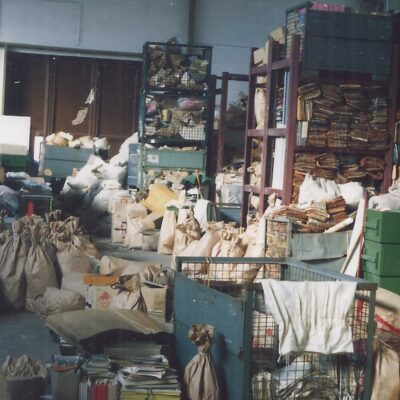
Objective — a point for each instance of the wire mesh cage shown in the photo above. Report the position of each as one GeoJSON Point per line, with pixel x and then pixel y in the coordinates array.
{"type": "Point", "coordinates": [176, 67]}
{"type": "Point", "coordinates": [308, 375]}
{"type": "Point", "coordinates": [171, 116]}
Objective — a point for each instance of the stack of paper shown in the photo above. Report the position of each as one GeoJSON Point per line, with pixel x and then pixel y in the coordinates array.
{"type": "Point", "coordinates": [147, 376]}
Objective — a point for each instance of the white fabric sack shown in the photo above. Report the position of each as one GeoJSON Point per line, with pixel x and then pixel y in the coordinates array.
{"type": "Point", "coordinates": [352, 192]}
{"type": "Point", "coordinates": [74, 281]}
{"type": "Point", "coordinates": [113, 173]}
{"type": "Point", "coordinates": [200, 213]}
{"type": "Point", "coordinates": [385, 202]}
{"type": "Point", "coordinates": [123, 155]}
{"type": "Point", "coordinates": [312, 316]}
{"type": "Point", "coordinates": [102, 200]}
{"type": "Point", "coordinates": [259, 107]}
{"type": "Point", "coordinates": [317, 189]}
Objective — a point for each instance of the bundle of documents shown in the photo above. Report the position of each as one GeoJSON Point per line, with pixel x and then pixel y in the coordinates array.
{"type": "Point", "coordinates": [99, 365]}
{"type": "Point", "coordinates": [356, 116]}
{"type": "Point", "coordinates": [148, 376]}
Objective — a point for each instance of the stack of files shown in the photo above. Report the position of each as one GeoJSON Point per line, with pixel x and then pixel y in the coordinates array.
{"type": "Point", "coordinates": [148, 376]}
{"type": "Point", "coordinates": [98, 365]}
{"type": "Point", "coordinates": [93, 388]}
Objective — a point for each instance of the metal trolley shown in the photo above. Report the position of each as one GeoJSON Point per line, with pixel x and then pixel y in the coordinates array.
{"type": "Point", "coordinates": [226, 293]}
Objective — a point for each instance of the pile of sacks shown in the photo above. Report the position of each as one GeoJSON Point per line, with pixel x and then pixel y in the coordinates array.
{"type": "Point", "coordinates": [65, 139]}
{"type": "Point", "coordinates": [34, 259]}
{"type": "Point", "coordinates": [182, 235]}
{"type": "Point", "coordinates": [96, 183]}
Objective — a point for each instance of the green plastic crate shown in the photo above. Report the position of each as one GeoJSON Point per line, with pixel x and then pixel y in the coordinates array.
{"type": "Point", "coordinates": [381, 258]}
{"type": "Point", "coordinates": [174, 159]}
{"type": "Point", "coordinates": [391, 283]}
{"type": "Point", "coordinates": [14, 162]}
{"type": "Point", "coordinates": [382, 226]}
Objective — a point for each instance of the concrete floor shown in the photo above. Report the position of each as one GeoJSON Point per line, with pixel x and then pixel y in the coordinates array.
{"type": "Point", "coordinates": [25, 333]}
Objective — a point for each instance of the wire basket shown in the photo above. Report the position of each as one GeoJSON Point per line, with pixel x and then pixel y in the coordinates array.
{"type": "Point", "coordinates": [318, 376]}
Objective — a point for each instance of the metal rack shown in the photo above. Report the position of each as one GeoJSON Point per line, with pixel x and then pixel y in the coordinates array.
{"type": "Point", "coordinates": [175, 107]}
{"type": "Point", "coordinates": [267, 136]}
{"type": "Point", "coordinates": [246, 341]}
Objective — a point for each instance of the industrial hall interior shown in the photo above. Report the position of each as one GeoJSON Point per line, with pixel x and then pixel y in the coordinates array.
{"type": "Point", "coordinates": [199, 200]}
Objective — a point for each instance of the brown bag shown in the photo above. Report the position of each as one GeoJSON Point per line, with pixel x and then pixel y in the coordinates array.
{"type": "Point", "coordinates": [167, 233]}
{"type": "Point", "coordinates": [187, 230]}
{"type": "Point", "coordinates": [58, 300]}
{"type": "Point", "coordinates": [40, 267]}
{"type": "Point", "coordinates": [130, 295]}
{"type": "Point", "coordinates": [387, 379]}
{"type": "Point", "coordinates": [200, 377]}
{"type": "Point", "coordinates": [13, 255]}
{"type": "Point", "coordinates": [202, 248]}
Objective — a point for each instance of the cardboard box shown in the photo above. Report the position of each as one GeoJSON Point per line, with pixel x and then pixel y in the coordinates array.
{"type": "Point", "coordinates": [118, 220]}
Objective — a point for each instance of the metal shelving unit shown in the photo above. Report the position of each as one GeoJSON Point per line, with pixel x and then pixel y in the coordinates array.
{"type": "Point", "coordinates": [175, 108]}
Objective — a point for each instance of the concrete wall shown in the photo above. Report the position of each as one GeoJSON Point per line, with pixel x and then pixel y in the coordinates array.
{"type": "Point", "coordinates": [233, 27]}
{"type": "Point", "coordinates": [102, 25]}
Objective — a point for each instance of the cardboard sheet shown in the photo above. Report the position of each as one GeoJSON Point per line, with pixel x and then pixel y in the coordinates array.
{"type": "Point", "coordinates": [77, 326]}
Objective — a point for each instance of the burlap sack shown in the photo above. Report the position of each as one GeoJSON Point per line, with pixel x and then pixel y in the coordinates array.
{"type": "Point", "coordinates": [58, 300]}
{"type": "Point", "coordinates": [200, 377]}
{"type": "Point", "coordinates": [167, 233]}
{"type": "Point", "coordinates": [255, 237]}
{"type": "Point", "coordinates": [148, 270]}
{"type": "Point", "coordinates": [13, 255]}
{"type": "Point", "coordinates": [187, 230]}
{"type": "Point", "coordinates": [73, 259]}
{"type": "Point", "coordinates": [202, 248]}
{"type": "Point", "coordinates": [40, 267]}
{"type": "Point", "coordinates": [387, 369]}
{"type": "Point", "coordinates": [231, 245]}
{"type": "Point", "coordinates": [130, 295]}
{"type": "Point", "coordinates": [135, 228]}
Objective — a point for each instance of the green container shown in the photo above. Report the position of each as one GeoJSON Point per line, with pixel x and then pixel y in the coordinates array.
{"type": "Point", "coordinates": [391, 283]}
{"type": "Point", "coordinates": [381, 258]}
{"type": "Point", "coordinates": [59, 161]}
{"type": "Point", "coordinates": [382, 226]}
{"type": "Point", "coordinates": [174, 159]}
{"type": "Point", "coordinates": [14, 162]}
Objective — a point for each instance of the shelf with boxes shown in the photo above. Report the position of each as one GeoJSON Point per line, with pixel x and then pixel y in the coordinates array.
{"type": "Point", "coordinates": [175, 110]}
{"type": "Point", "coordinates": [335, 119]}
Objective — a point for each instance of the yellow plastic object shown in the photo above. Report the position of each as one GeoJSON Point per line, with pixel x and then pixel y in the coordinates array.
{"type": "Point", "coordinates": [159, 196]}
